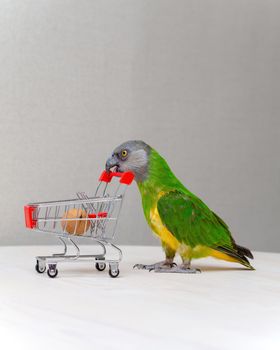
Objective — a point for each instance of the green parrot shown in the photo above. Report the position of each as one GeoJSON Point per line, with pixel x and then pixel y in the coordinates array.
{"type": "Point", "coordinates": [183, 223]}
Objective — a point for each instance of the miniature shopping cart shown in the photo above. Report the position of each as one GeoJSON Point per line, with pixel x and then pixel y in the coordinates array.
{"type": "Point", "coordinates": [85, 217]}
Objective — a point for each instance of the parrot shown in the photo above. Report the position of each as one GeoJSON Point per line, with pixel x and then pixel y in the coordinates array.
{"type": "Point", "coordinates": [184, 224]}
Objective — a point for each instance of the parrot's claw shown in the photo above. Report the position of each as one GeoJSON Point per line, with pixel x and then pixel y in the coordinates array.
{"type": "Point", "coordinates": [179, 269]}
{"type": "Point", "coordinates": [167, 267]}
{"type": "Point", "coordinates": [163, 265]}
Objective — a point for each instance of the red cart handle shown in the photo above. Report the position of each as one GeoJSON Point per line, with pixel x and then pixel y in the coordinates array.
{"type": "Point", "coordinates": [28, 213]}
{"type": "Point", "coordinates": [125, 178]}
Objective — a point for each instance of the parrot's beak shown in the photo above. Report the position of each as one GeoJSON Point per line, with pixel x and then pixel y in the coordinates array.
{"type": "Point", "coordinates": [111, 162]}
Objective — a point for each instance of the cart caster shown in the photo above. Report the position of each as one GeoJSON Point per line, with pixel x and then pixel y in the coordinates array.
{"type": "Point", "coordinates": [114, 271]}
{"type": "Point", "coordinates": [100, 266]}
{"type": "Point", "coordinates": [40, 268]}
{"type": "Point", "coordinates": [52, 271]}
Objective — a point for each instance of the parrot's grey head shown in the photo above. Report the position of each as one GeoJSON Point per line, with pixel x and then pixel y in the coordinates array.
{"type": "Point", "coordinates": [131, 156]}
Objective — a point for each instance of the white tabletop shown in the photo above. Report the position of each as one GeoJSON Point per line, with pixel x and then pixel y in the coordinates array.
{"type": "Point", "coordinates": [224, 307]}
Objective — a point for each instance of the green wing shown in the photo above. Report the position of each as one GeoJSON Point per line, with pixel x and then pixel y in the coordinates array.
{"type": "Point", "coordinates": [192, 222]}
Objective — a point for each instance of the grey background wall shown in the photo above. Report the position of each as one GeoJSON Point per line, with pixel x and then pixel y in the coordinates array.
{"type": "Point", "coordinates": [198, 80]}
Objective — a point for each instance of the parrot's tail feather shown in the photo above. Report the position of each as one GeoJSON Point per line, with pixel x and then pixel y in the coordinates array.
{"type": "Point", "coordinates": [239, 254]}
{"type": "Point", "coordinates": [244, 251]}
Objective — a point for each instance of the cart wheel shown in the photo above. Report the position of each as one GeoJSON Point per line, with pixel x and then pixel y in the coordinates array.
{"type": "Point", "coordinates": [40, 269]}
{"type": "Point", "coordinates": [100, 266]}
{"type": "Point", "coordinates": [52, 271]}
{"type": "Point", "coordinates": [114, 272]}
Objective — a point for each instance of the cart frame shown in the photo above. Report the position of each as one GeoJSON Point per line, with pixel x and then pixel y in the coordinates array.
{"type": "Point", "coordinates": [101, 210]}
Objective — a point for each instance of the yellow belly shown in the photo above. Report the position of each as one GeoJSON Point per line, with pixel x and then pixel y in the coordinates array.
{"type": "Point", "coordinates": [163, 233]}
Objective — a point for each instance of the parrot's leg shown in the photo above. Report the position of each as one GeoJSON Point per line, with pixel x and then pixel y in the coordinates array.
{"type": "Point", "coordinates": [165, 265]}
{"type": "Point", "coordinates": [185, 267]}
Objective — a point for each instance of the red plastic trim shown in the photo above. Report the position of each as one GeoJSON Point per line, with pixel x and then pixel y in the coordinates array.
{"type": "Point", "coordinates": [125, 178]}
{"type": "Point", "coordinates": [28, 214]}
{"type": "Point", "coordinates": [105, 177]}
{"type": "Point", "coordinates": [101, 214]}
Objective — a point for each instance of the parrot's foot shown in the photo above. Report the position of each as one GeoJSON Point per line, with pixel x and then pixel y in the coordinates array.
{"type": "Point", "coordinates": [165, 265]}
{"type": "Point", "coordinates": [179, 269]}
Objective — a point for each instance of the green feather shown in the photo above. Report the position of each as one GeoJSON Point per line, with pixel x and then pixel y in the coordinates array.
{"type": "Point", "coordinates": [191, 221]}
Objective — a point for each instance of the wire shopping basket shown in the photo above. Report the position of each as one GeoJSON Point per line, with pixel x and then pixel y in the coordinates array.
{"type": "Point", "coordinates": [84, 217]}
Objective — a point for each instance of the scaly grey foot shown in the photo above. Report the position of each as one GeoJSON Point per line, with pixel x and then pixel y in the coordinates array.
{"type": "Point", "coordinates": [162, 265]}
{"type": "Point", "coordinates": [178, 269]}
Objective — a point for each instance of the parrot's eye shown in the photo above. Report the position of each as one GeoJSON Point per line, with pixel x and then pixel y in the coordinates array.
{"type": "Point", "coordinates": [124, 153]}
